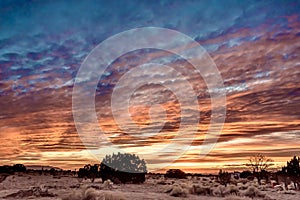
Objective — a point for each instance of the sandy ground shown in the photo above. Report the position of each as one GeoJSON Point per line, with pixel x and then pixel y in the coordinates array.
{"type": "Point", "coordinates": [46, 187]}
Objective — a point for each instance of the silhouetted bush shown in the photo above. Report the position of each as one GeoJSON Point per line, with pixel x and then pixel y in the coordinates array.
{"type": "Point", "coordinates": [19, 168]}
{"type": "Point", "coordinates": [292, 170]}
{"type": "Point", "coordinates": [52, 171]}
{"type": "Point", "coordinates": [245, 174]}
{"type": "Point", "coordinates": [175, 173]}
{"type": "Point", "coordinates": [224, 178]}
{"type": "Point", "coordinates": [89, 171]}
{"type": "Point", "coordinates": [124, 168]}
{"type": "Point", "coordinates": [6, 169]}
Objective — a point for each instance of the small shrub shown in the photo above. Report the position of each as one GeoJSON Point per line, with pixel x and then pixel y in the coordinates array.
{"type": "Point", "coordinates": [185, 185]}
{"type": "Point", "coordinates": [6, 169]}
{"type": "Point", "coordinates": [220, 191]}
{"type": "Point", "coordinates": [92, 194]}
{"type": "Point", "coordinates": [178, 191]}
{"type": "Point", "coordinates": [253, 192]}
{"type": "Point", "coordinates": [291, 187]}
{"type": "Point", "coordinates": [234, 181]}
{"type": "Point", "coordinates": [224, 178]}
{"type": "Point", "coordinates": [175, 173]}
{"type": "Point", "coordinates": [215, 184]}
{"type": "Point", "coordinates": [205, 179]}
{"type": "Point", "coordinates": [113, 196]}
{"type": "Point", "coordinates": [232, 189]}
{"type": "Point", "coordinates": [200, 190]}
{"type": "Point", "coordinates": [278, 187]}
{"type": "Point", "coordinates": [19, 168]}
{"type": "Point", "coordinates": [161, 182]}
{"type": "Point", "coordinates": [245, 174]}
{"type": "Point", "coordinates": [108, 184]}
{"type": "Point", "coordinates": [243, 180]}
{"type": "Point", "coordinates": [168, 188]}
{"type": "Point", "coordinates": [242, 186]}
{"type": "Point", "coordinates": [263, 187]}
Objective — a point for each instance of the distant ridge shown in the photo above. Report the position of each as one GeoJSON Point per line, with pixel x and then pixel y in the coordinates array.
{"type": "Point", "coordinates": [40, 167]}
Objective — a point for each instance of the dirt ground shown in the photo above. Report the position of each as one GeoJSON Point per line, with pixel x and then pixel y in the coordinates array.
{"type": "Point", "coordinates": [46, 187]}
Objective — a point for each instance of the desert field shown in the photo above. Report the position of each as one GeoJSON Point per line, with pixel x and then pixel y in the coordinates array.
{"type": "Point", "coordinates": [48, 187]}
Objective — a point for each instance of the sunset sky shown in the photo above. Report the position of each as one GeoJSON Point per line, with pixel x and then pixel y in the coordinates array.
{"type": "Point", "coordinates": [254, 44]}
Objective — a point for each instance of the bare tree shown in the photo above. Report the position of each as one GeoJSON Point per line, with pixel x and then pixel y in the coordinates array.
{"type": "Point", "coordinates": [259, 164]}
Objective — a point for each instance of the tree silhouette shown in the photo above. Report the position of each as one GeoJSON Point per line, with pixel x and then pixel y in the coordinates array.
{"type": "Point", "coordinates": [6, 169]}
{"type": "Point", "coordinates": [292, 170]}
{"type": "Point", "coordinates": [124, 168]}
{"type": "Point", "coordinates": [259, 165]}
{"type": "Point", "coordinates": [11, 169]}
{"type": "Point", "coordinates": [19, 168]}
{"type": "Point", "coordinates": [224, 178]}
{"type": "Point", "coordinates": [89, 171]}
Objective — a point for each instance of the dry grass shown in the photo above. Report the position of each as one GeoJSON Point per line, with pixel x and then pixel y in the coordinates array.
{"type": "Point", "coordinates": [252, 192]}
{"type": "Point", "coordinates": [178, 191]}
{"type": "Point", "coordinates": [67, 188]}
{"type": "Point", "coordinates": [92, 194]}
{"type": "Point", "coordinates": [235, 197]}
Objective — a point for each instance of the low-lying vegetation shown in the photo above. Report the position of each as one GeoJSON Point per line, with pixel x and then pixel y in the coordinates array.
{"type": "Point", "coordinates": [241, 190]}
{"type": "Point", "coordinates": [115, 179]}
{"type": "Point", "coordinates": [92, 194]}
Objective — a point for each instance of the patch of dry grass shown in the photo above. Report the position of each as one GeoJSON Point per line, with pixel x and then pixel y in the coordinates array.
{"type": "Point", "coordinates": [92, 194]}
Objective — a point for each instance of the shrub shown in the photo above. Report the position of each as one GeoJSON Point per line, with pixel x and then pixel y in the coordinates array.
{"type": "Point", "coordinates": [6, 169]}
{"type": "Point", "coordinates": [108, 184]}
{"type": "Point", "coordinates": [175, 173]}
{"type": "Point", "coordinates": [89, 171]}
{"type": "Point", "coordinates": [178, 191]}
{"type": "Point", "coordinates": [52, 171]}
{"type": "Point", "coordinates": [253, 192]}
{"type": "Point", "coordinates": [232, 189]}
{"type": "Point", "coordinates": [19, 168]}
{"type": "Point", "coordinates": [219, 191]}
{"type": "Point", "coordinates": [245, 174]}
{"type": "Point", "coordinates": [168, 188]}
{"type": "Point", "coordinates": [200, 190]}
{"type": "Point", "coordinates": [124, 168]}
{"type": "Point", "coordinates": [224, 177]}
{"type": "Point", "coordinates": [292, 170]}
{"type": "Point", "coordinates": [161, 182]}
{"type": "Point", "coordinates": [92, 194]}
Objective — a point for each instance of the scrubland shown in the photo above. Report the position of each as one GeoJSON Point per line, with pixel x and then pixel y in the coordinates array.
{"type": "Point", "coordinates": [47, 187]}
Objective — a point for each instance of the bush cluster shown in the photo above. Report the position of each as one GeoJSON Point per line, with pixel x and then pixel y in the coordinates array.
{"type": "Point", "coordinates": [123, 168]}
